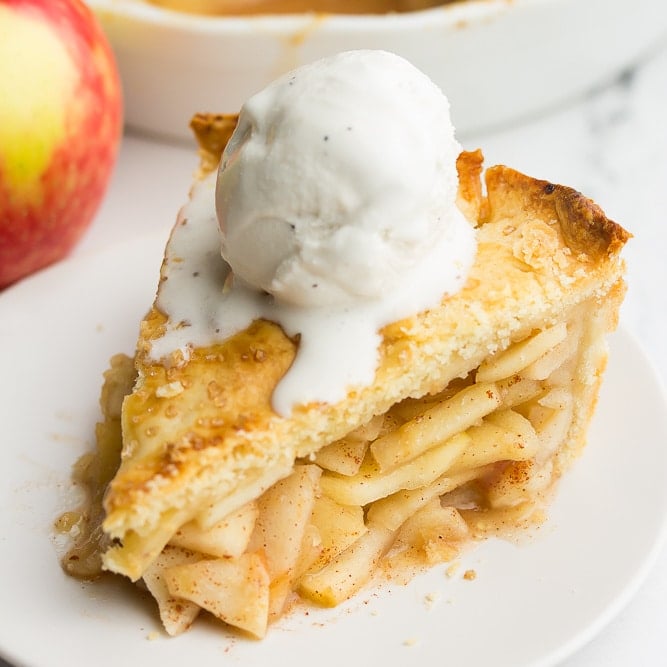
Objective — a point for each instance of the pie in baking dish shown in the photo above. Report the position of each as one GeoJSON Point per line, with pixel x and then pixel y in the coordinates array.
{"type": "Point", "coordinates": [477, 408]}
{"type": "Point", "coordinates": [257, 7]}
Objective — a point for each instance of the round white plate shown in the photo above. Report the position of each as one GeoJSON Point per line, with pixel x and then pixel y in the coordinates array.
{"type": "Point", "coordinates": [531, 603]}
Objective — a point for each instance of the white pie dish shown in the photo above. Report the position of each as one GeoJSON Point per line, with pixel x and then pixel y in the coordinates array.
{"type": "Point", "coordinates": [497, 60]}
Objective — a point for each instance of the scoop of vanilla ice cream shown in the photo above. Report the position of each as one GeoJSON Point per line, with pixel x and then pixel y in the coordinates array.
{"type": "Point", "coordinates": [339, 177]}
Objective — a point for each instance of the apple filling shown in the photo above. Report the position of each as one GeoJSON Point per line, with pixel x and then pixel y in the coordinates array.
{"type": "Point", "coordinates": [412, 487]}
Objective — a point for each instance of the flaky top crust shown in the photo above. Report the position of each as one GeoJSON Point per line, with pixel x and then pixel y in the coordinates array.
{"type": "Point", "coordinates": [542, 250]}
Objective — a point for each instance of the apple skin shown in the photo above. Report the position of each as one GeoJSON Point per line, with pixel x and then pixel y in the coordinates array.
{"type": "Point", "coordinates": [60, 129]}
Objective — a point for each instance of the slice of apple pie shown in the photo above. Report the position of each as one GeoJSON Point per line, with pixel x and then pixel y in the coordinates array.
{"type": "Point", "coordinates": [391, 361]}
{"type": "Point", "coordinates": [476, 409]}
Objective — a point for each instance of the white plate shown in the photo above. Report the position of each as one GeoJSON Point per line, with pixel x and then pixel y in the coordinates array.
{"type": "Point", "coordinates": [531, 604]}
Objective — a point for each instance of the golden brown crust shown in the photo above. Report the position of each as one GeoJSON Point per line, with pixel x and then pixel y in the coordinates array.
{"type": "Point", "coordinates": [212, 132]}
{"type": "Point", "coordinates": [470, 200]}
{"type": "Point", "coordinates": [178, 412]}
{"type": "Point", "coordinates": [202, 433]}
{"type": "Point", "coordinates": [583, 224]}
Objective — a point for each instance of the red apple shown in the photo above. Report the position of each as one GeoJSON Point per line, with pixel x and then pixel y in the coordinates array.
{"type": "Point", "coordinates": [60, 127]}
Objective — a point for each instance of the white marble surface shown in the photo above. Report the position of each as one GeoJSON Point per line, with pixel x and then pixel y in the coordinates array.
{"type": "Point", "coordinates": [611, 145]}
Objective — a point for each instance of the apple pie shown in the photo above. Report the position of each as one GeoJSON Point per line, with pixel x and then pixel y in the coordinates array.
{"type": "Point", "coordinates": [478, 406]}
